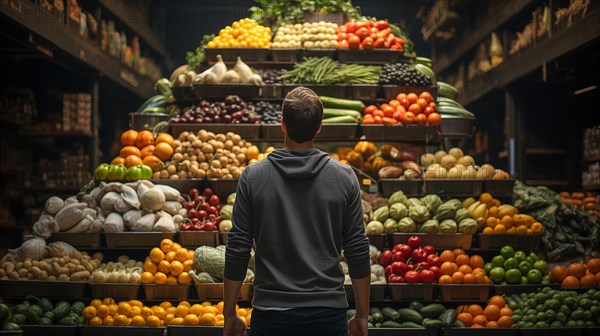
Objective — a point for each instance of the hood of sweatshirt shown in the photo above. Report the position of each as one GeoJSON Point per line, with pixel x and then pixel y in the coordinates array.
{"type": "Point", "coordinates": [299, 164]}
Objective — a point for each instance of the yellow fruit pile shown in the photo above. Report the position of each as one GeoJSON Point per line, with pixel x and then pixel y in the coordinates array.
{"type": "Point", "coordinates": [501, 218]}
{"type": "Point", "coordinates": [107, 312]}
{"type": "Point", "coordinates": [245, 33]}
{"type": "Point", "coordinates": [168, 264]}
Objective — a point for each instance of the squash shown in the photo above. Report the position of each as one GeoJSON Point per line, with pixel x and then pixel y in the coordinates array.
{"type": "Point", "coordinates": [355, 159]}
{"type": "Point", "coordinates": [365, 148]}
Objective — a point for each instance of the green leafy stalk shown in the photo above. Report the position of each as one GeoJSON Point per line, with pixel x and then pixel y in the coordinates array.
{"type": "Point", "coordinates": [195, 58]}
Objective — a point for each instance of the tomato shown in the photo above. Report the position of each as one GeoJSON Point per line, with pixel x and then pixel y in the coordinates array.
{"type": "Point", "coordinates": [434, 119]}
{"type": "Point", "coordinates": [362, 33]}
{"type": "Point", "coordinates": [370, 109]}
{"type": "Point", "coordinates": [428, 110]}
{"type": "Point", "coordinates": [116, 172]}
{"type": "Point", "coordinates": [401, 108]}
{"type": "Point", "coordinates": [378, 119]}
{"type": "Point", "coordinates": [343, 44]}
{"type": "Point", "coordinates": [426, 95]}
{"type": "Point", "coordinates": [426, 276]}
{"type": "Point", "coordinates": [414, 242]}
{"type": "Point", "coordinates": [400, 96]}
{"type": "Point", "coordinates": [351, 26]}
{"type": "Point", "coordinates": [101, 171]}
{"type": "Point", "coordinates": [389, 121]}
{"type": "Point", "coordinates": [411, 277]}
{"type": "Point", "coordinates": [374, 30]}
{"type": "Point", "coordinates": [395, 278]}
{"type": "Point", "coordinates": [534, 276]}
{"type": "Point", "coordinates": [398, 267]}
{"type": "Point", "coordinates": [385, 33]}
{"type": "Point", "coordinates": [381, 24]}
{"type": "Point", "coordinates": [513, 276]}
{"type": "Point", "coordinates": [379, 43]}
{"type": "Point", "coordinates": [133, 173]}
{"type": "Point", "coordinates": [353, 42]}
{"type": "Point", "coordinates": [378, 113]}
{"type": "Point", "coordinates": [433, 105]}
{"type": "Point", "coordinates": [421, 119]}
{"type": "Point", "coordinates": [398, 115]}
{"type": "Point", "coordinates": [409, 118]}
{"type": "Point", "coordinates": [342, 36]}
{"type": "Point", "coordinates": [368, 119]}
{"type": "Point", "coordinates": [386, 258]}
{"type": "Point", "coordinates": [434, 260]}
{"type": "Point", "coordinates": [422, 102]}
{"type": "Point", "coordinates": [404, 102]}
{"type": "Point", "coordinates": [412, 98]}
{"type": "Point", "coordinates": [367, 43]}
{"type": "Point", "coordinates": [146, 172]}
{"type": "Point", "coordinates": [415, 108]}
{"type": "Point", "coordinates": [388, 110]}
{"type": "Point", "coordinates": [342, 29]}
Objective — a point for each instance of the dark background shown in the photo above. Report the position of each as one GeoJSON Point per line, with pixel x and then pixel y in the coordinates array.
{"type": "Point", "coordinates": [188, 20]}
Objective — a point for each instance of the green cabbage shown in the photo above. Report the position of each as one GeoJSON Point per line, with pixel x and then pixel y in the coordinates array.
{"type": "Point", "coordinates": [390, 226]}
{"type": "Point", "coordinates": [467, 226]}
{"type": "Point", "coordinates": [461, 214]}
{"type": "Point", "coordinates": [212, 261]}
{"type": "Point", "coordinates": [381, 214]}
{"type": "Point", "coordinates": [432, 202]}
{"type": "Point", "coordinates": [398, 211]}
{"type": "Point", "coordinates": [430, 226]}
{"type": "Point", "coordinates": [414, 201]}
{"type": "Point", "coordinates": [448, 209]}
{"type": "Point", "coordinates": [375, 227]}
{"type": "Point", "coordinates": [397, 197]}
{"type": "Point", "coordinates": [407, 225]}
{"type": "Point", "coordinates": [447, 226]}
{"type": "Point", "coordinates": [418, 213]}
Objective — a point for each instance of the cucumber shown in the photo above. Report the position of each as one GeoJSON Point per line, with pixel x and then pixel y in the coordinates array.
{"type": "Point", "coordinates": [334, 112]}
{"type": "Point", "coordinates": [154, 110]}
{"type": "Point", "coordinates": [391, 324]}
{"type": "Point", "coordinates": [448, 317]}
{"type": "Point", "coordinates": [390, 314]}
{"type": "Point", "coordinates": [410, 315]}
{"type": "Point", "coordinates": [411, 325]}
{"type": "Point", "coordinates": [423, 60]}
{"type": "Point", "coordinates": [455, 111]}
{"type": "Point", "coordinates": [355, 105]}
{"type": "Point", "coordinates": [446, 90]}
{"type": "Point", "coordinates": [340, 120]}
{"type": "Point", "coordinates": [430, 323]}
{"type": "Point", "coordinates": [433, 310]}
{"type": "Point", "coordinates": [448, 101]}
{"type": "Point", "coordinates": [427, 71]}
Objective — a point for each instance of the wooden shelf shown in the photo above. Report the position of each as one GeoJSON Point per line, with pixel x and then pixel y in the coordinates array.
{"type": "Point", "coordinates": [11, 121]}
{"type": "Point", "coordinates": [9, 170]}
{"type": "Point", "coordinates": [63, 189]}
{"type": "Point", "coordinates": [133, 19]}
{"type": "Point", "coordinates": [551, 183]}
{"type": "Point", "coordinates": [591, 159]}
{"type": "Point", "coordinates": [56, 134]}
{"type": "Point", "coordinates": [34, 19]}
{"type": "Point", "coordinates": [545, 151]}
{"type": "Point", "coordinates": [592, 187]}
{"type": "Point", "coordinates": [496, 19]}
{"type": "Point", "coordinates": [451, 19]}
{"type": "Point", "coordinates": [518, 65]}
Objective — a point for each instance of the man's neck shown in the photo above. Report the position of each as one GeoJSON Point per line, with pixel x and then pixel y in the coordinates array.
{"type": "Point", "coordinates": [291, 145]}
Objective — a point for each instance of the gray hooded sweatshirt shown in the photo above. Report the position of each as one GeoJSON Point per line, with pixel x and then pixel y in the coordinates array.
{"type": "Point", "coordinates": [300, 208]}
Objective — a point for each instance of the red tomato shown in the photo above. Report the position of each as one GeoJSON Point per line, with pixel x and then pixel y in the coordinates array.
{"type": "Point", "coordinates": [422, 102]}
{"type": "Point", "coordinates": [379, 43]}
{"type": "Point", "coordinates": [400, 96]}
{"type": "Point", "coordinates": [409, 118]}
{"type": "Point", "coordinates": [428, 110]}
{"type": "Point", "coordinates": [370, 109]}
{"type": "Point", "coordinates": [351, 26]}
{"type": "Point", "coordinates": [388, 110]}
{"type": "Point", "coordinates": [353, 42]}
{"type": "Point", "coordinates": [343, 44]}
{"type": "Point", "coordinates": [426, 95]}
{"type": "Point", "coordinates": [367, 43]}
{"type": "Point", "coordinates": [433, 105]}
{"type": "Point", "coordinates": [362, 33]}
{"type": "Point", "coordinates": [378, 120]}
{"type": "Point", "coordinates": [398, 115]}
{"type": "Point", "coordinates": [404, 102]}
{"type": "Point", "coordinates": [368, 23]}
{"type": "Point", "coordinates": [342, 29]}
{"type": "Point", "coordinates": [342, 36]}
{"type": "Point", "coordinates": [368, 119]}
{"type": "Point", "coordinates": [421, 119]}
{"type": "Point", "coordinates": [374, 30]}
{"type": "Point", "coordinates": [434, 119]}
{"type": "Point", "coordinates": [415, 108]}
{"type": "Point", "coordinates": [381, 24]}
{"type": "Point", "coordinates": [401, 108]}
{"type": "Point", "coordinates": [378, 113]}
{"type": "Point", "coordinates": [412, 98]}
{"type": "Point", "coordinates": [394, 103]}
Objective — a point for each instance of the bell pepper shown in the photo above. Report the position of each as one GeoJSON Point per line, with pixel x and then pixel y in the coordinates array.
{"type": "Point", "coordinates": [116, 172]}
{"type": "Point", "coordinates": [147, 172]}
{"type": "Point", "coordinates": [133, 173]}
{"type": "Point", "coordinates": [101, 171]}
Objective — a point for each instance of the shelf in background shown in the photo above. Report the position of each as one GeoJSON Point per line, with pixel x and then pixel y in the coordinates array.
{"type": "Point", "coordinates": [44, 133]}
{"type": "Point", "coordinates": [57, 189]}
{"type": "Point", "coordinates": [591, 159]}
{"type": "Point", "coordinates": [591, 187]}
{"type": "Point", "coordinates": [516, 66]}
{"type": "Point", "coordinates": [548, 183]}
{"type": "Point", "coordinates": [6, 120]}
{"type": "Point", "coordinates": [34, 19]}
{"type": "Point", "coordinates": [545, 151]}
{"type": "Point", "coordinates": [8, 170]}
{"type": "Point", "coordinates": [448, 21]}
{"type": "Point", "coordinates": [508, 11]}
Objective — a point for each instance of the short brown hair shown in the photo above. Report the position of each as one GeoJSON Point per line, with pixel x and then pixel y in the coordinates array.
{"type": "Point", "coordinates": [302, 113]}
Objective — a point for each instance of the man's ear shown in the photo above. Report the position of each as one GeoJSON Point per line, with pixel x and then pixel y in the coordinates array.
{"type": "Point", "coordinates": [320, 125]}
{"type": "Point", "coordinates": [283, 128]}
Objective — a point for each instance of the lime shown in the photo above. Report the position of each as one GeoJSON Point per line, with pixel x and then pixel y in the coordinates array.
{"type": "Point", "coordinates": [487, 267]}
{"type": "Point", "coordinates": [542, 324]}
{"type": "Point", "coordinates": [572, 324]}
{"type": "Point", "coordinates": [511, 263]}
{"type": "Point", "coordinates": [498, 261]}
{"type": "Point", "coordinates": [541, 266]}
{"type": "Point", "coordinates": [497, 274]}
{"type": "Point", "coordinates": [520, 256]}
{"type": "Point", "coordinates": [524, 280]}
{"type": "Point", "coordinates": [513, 276]}
{"type": "Point", "coordinates": [525, 266]}
{"type": "Point", "coordinates": [534, 276]}
{"type": "Point", "coordinates": [507, 252]}
{"type": "Point", "coordinates": [556, 324]}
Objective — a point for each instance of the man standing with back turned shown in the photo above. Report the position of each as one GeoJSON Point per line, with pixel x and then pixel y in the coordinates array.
{"type": "Point", "coordinates": [300, 208]}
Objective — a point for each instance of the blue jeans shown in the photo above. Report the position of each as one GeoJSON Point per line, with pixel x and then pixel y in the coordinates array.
{"type": "Point", "coordinates": [310, 321]}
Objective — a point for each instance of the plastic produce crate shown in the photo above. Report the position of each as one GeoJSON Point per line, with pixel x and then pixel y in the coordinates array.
{"type": "Point", "coordinates": [374, 56]}
{"type": "Point", "coordinates": [314, 52]}
{"type": "Point", "coordinates": [271, 132]}
{"type": "Point", "coordinates": [464, 292]}
{"type": "Point", "coordinates": [391, 91]}
{"type": "Point", "coordinates": [85, 330]}
{"type": "Point", "coordinates": [448, 187]}
{"type": "Point", "coordinates": [136, 239]}
{"type": "Point", "coordinates": [456, 127]}
{"type": "Point", "coordinates": [551, 331]}
{"type": "Point", "coordinates": [364, 91]}
{"type": "Point", "coordinates": [49, 330]}
{"type": "Point", "coordinates": [271, 91]}
{"type": "Point", "coordinates": [522, 242]}
{"type": "Point", "coordinates": [222, 90]}
{"type": "Point", "coordinates": [422, 133]}
{"type": "Point", "coordinates": [222, 187]}
{"type": "Point", "coordinates": [481, 331]}
{"type": "Point", "coordinates": [231, 54]}
{"type": "Point", "coordinates": [332, 90]}
{"type": "Point", "coordinates": [405, 292]}
{"type": "Point", "coordinates": [194, 330]}
{"type": "Point", "coordinates": [443, 241]}
{"type": "Point", "coordinates": [409, 188]}
{"type": "Point", "coordinates": [284, 55]}
{"type": "Point", "coordinates": [167, 292]}
{"type": "Point", "coordinates": [214, 291]}
{"type": "Point", "coordinates": [521, 288]}
{"type": "Point", "coordinates": [16, 289]}
{"type": "Point", "coordinates": [119, 291]}
{"type": "Point", "coordinates": [78, 240]}
{"type": "Point", "coordinates": [590, 331]}
{"type": "Point", "coordinates": [380, 241]}
{"type": "Point", "coordinates": [500, 187]}
{"type": "Point", "coordinates": [377, 292]}
{"type": "Point", "coordinates": [338, 132]}
{"type": "Point", "coordinates": [11, 332]}
{"type": "Point", "coordinates": [184, 93]}
{"type": "Point", "coordinates": [194, 239]}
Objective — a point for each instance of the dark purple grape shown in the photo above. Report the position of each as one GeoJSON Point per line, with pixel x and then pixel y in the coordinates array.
{"type": "Point", "coordinates": [207, 120]}
{"type": "Point", "coordinates": [227, 119]}
{"type": "Point", "coordinates": [244, 120]}
{"type": "Point", "coordinates": [198, 120]}
{"type": "Point", "coordinates": [217, 119]}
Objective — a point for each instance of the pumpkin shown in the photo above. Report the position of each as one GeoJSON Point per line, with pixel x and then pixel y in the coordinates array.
{"type": "Point", "coordinates": [342, 152]}
{"type": "Point", "coordinates": [365, 148]}
{"type": "Point", "coordinates": [355, 159]}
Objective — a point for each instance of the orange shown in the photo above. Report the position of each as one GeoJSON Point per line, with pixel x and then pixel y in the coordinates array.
{"type": "Point", "coordinates": [476, 325]}
{"type": "Point", "coordinates": [166, 245]}
{"type": "Point", "coordinates": [195, 309]}
{"type": "Point", "coordinates": [576, 269]}
{"type": "Point", "coordinates": [493, 211]}
{"type": "Point", "coordinates": [118, 160]}
{"type": "Point", "coordinates": [176, 321]}
{"type": "Point", "coordinates": [176, 247]}
{"type": "Point", "coordinates": [150, 266]}
{"type": "Point", "coordinates": [164, 137]}
{"type": "Point", "coordinates": [558, 273]}
{"type": "Point", "coordinates": [476, 261]}
{"type": "Point", "coordinates": [445, 279]}
{"type": "Point", "coordinates": [125, 309]}
{"type": "Point", "coordinates": [160, 278]}
{"type": "Point", "coordinates": [479, 277]}
{"type": "Point", "coordinates": [487, 199]}
{"type": "Point", "coordinates": [135, 311]}
{"type": "Point", "coordinates": [507, 221]}
{"type": "Point", "coordinates": [156, 255]}
{"type": "Point", "coordinates": [184, 278]}
{"type": "Point", "coordinates": [499, 229]}
{"type": "Point", "coordinates": [185, 303]}
{"type": "Point", "coordinates": [169, 318]}
{"type": "Point", "coordinates": [163, 151]}
{"type": "Point", "coordinates": [486, 280]}
{"type": "Point", "coordinates": [448, 268]}
{"type": "Point", "coordinates": [465, 318]}
{"type": "Point", "coordinates": [207, 303]}
{"type": "Point", "coordinates": [190, 256]}
{"type": "Point", "coordinates": [164, 266]}
{"type": "Point", "coordinates": [191, 320]}
{"type": "Point", "coordinates": [171, 280]}
{"type": "Point", "coordinates": [242, 312]}
{"type": "Point", "coordinates": [171, 310]}
{"type": "Point", "coordinates": [462, 259]}
{"type": "Point", "coordinates": [108, 300]}
{"type": "Point", "coordinates": [95, 303]}
{"type": "Point", "coordinates": [95, 321]}
{"type": "Point", "coordinates": [491, 222]}
{"type": "Point", "coordinates": [537, 227]}
{"type": "Point", "coordinates": [147, 278]}
{"type": "Point", "coordinates": [208, 319]}
{"type": "Point", "coordinates": [457, 277]}
{"type": "Point", "coordinates": [102, 311]}
{"type": "Point", "coordinates": [458, 251]}
{"type": "Point", "coordinates": [108, 321]}
{"type": "Point", "coordinates": [521, 229]}
{"type": "Point", "coordinates": [181, 311]}
{"type": "Point", "coordinates": [89, 312]}
{"type": "Point", "coordinates": [588, 281]}
{"type": "Point", "coordinates": [492, 324]}
{"type": "Point", "coordinates": [505, 322]}
{"type": "Point", "coordinates": [146, 311]}
{"type": "Point", "coordinates": [475, 310]}
{"type": "Point", "coordinates": [144, 138]}
{"type": "Point", "coordinates": [492, 312]}
{"type": "Point", "coordinates": [181, 254]}
{"type": "Point", "coordinates": [465, 269]}
{"type": "Point", "coordinates": [210, 309]}
{"type": "Point", "coordinates": [153, 162]}
{"type": "Point", "coordinates": [138, 321]}
{"type": "Point", "coordinates": [593, 265]}
{"type": "Point", "coordinates": [121, 320]}
{"type": "Point", "coordinates": [479, 320]}
{"type": "Point", "coordinates": [113, 309]}
{"type": "Point", "coordinates": [133, 160]}
{"type": "Point", "coordinates": [220, 307]}
{"type": "Point", "coordinates": [176, 267]}
{"type": "Point", "coordinates": [146, 151]}
{"type": "Point", "coordinates": [188, 265]}
{"type": "Point", "coordinates": [159, 312]}
{"type": "Point", "coordinates": [447, 255]}
{"type": "Point", "coordinates": [488, 230]}
{"type": "Point", "coordinates": [152, 321]}
{"type": "Point", "coordinates": [469, 279]}
{"type": "Point", "coordinates": [252, 152]}
{"type": "Point", "coordinates": [506, 311]}
{"type": "Point", "coordinates": [130, 150]}
{"type": "Point", "coordinates": [220, 317]}
{"type": "Point", "coordinates": [128, 137]}
{"type": "Point", "coordinates": [512, 231]}
{"type": "Point", "coordinates": [170, 256]}
{"type": "Point", "coordinates": [497, 300]}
